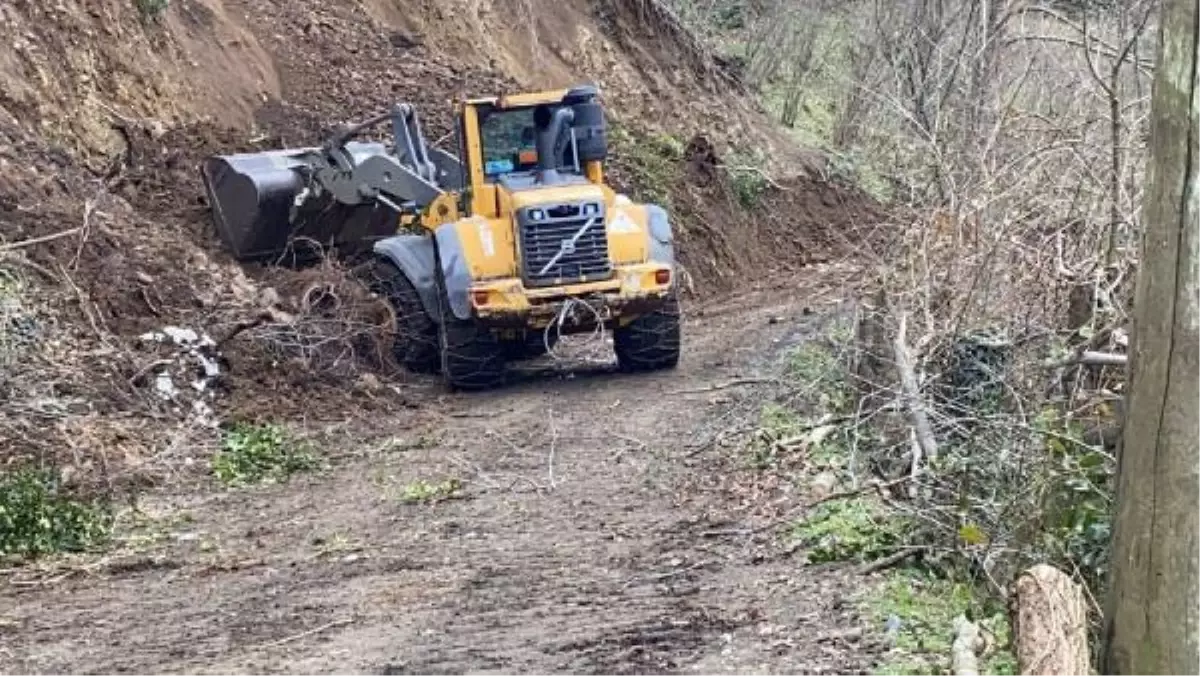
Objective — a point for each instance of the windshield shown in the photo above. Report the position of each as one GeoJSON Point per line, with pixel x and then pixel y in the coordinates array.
{"type": "Point", "coordinates": [509, 140]}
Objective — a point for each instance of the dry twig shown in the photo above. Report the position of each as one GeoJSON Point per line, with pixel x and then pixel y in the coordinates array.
{"type": "Point", "coordinates": [305, 634]}
{"type": "Point", "coordinates": [13, 246]}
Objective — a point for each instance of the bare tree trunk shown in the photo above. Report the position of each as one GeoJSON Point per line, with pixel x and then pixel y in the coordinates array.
{"type": "Point", "coordinates": [1152, 623]}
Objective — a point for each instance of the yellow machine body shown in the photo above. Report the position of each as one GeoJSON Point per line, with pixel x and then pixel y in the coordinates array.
{"type": "Point", "coordinates": [483, 218]}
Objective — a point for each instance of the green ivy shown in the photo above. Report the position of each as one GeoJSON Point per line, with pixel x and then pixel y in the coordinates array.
{"type": "Point", "coordinates": [1078, 499]}
{"type": "Point", "coordinates": [257, 453]}
{"type": "Point", "coordinates": [38, 517]}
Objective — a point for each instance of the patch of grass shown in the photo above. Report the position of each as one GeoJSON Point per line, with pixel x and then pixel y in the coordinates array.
{"type": "Point", "coordinates": [853, 529]}
{"type": "Point", "coordinates": [820, 378]}
{"type": "Point", "coordinates": [38, 517]}
{"type": "Point", "coordinates": [152, 10]}
{"type": "Point", "coordinates": [654, 161]}
{"type": "Point", "coordinates": [745, 169]}
{"type": "Point", "coordinates": [817, 367]}
{"type": "Point", "coordinates": [18, 324]}
{"type": "Point", "coordinates": [922, 607]}
{"type": "Point", "coordinates": [252, 453]}
{"type": "Point", "coordinates": [425, 491]}
{"type": "Point", "coordinates": [403, 444]}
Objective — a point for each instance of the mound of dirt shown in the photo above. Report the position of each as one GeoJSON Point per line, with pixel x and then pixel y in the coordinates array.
{"type": "Point", "coordinates": [98, 268]}
{"type": "Point", "coordinates": [731, 238]}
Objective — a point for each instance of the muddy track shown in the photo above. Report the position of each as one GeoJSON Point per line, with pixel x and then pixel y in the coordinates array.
{"type": "Point", "coordinates": [593, 533]}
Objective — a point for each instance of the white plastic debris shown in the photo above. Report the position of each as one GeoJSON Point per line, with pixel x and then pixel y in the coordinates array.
{"type": "Point", "coordinates": [165, 387]}
{"type": "Point", "coordinates": [194, 361]}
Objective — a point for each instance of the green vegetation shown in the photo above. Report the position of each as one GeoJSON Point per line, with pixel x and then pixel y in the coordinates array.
{"type": "Point", "coordinates": [924, 606]}
{"type": "Point", "coordinates": [652, 161]}
{"type": "Point", "coordinates": [817, 367]}
{"type": "Point", "coordinates": [17, 324]}
{"type": "Point", "coordinates": [152, 10]}
{"type": "Point", "coordinates": [1077, 499]}
{"type": "Point", "coordinates": [746, 176]}
{"type": "Point", "coordinates": [854, 529]}
{"type": "Point", "coordinates": [425, 491]}
{"type": "Point", "coordinates": [38, 517]}
{"type": "Point", "coordinates": [258, 453]}
{"type": "Point", "coordinates": [801, 62]}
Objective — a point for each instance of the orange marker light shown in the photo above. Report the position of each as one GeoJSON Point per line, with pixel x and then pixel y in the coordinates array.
{"type": "Point", "coordinates": [480, 298]}
{"type": "Point", "coordinates": [662, 276]}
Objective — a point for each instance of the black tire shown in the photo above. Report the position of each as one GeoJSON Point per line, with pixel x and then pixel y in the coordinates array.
{"type": "Point", "coordinates": [472, 356]}
{"type": "Point", "coordinates": [650, 342]}
{"type": "Point", "coordinates": [415, 346]}
{"type": "Point", "coordinates": [533, 345]}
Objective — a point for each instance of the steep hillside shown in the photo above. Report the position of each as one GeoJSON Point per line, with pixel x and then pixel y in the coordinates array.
{"type": "Point", "coordinates": [78, 66]}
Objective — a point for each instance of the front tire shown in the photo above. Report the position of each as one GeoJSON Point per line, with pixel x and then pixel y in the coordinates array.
{"type": "Point", "coordinates": [472, 356]}
{"type": "Point", "coordinates": [650, 342]}
{"type": "Point", "coordinates": [415, 346]}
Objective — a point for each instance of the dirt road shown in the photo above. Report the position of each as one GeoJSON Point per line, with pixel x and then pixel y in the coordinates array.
{"type": "Point", "coordinates": [593, 531]}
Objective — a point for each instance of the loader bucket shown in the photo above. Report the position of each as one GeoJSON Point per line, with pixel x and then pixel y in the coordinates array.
{"type": "Point", "coordinates": [252, 197]}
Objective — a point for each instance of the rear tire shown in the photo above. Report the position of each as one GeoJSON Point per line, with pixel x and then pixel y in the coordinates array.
{"type": "Point", "coordinates": [650, 342]}
{"type": "Point", "coordinates": [472, 356]}
{"type": "Point", "coordinates": [415, 346]}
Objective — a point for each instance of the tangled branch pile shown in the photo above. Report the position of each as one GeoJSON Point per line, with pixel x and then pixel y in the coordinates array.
{"type": "Point", "coordinates": [127, 340]}
{"type": "Point", "coordinates": [1008, 137]}
{"type": "Point", "coordinates": [992, 347]}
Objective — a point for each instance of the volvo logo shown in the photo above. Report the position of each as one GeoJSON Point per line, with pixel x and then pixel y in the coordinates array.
{"type": "Point", "coordinates": [567, 247]}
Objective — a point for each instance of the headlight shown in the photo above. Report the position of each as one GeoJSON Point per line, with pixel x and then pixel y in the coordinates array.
{"type": "Point", "coordinates": [536, 214]}
{"type": "Point", "coordinates": [591, 209]}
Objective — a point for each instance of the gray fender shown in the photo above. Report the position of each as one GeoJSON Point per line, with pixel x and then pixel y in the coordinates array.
{"type": "Point", "coordinates": [414, 255]}
{"type": "Point", "coordinates": [662, 241]}
{"type": "Point", "coordinates": [455, 273]}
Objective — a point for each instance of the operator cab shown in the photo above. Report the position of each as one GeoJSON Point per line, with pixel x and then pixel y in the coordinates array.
{"type": "Point", "coordinates": [541, 145]}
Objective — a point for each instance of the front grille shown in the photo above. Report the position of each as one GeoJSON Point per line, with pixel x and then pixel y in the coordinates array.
{"type": "Point", "coordinates": [555, 252]}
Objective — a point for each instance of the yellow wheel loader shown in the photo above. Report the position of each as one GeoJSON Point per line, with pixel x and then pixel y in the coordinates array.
{"type": "Point", "coordinates": [486, 259]}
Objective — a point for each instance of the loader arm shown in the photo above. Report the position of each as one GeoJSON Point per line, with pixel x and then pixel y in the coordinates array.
{"type": "Point", "coordinates": [345, 193]}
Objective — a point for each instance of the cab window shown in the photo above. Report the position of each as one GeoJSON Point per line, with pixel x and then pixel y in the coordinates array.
{"type": "Point", "coordinates": [509, 140]}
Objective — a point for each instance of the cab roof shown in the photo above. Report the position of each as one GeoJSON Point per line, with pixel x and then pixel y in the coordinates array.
{"type": "Point", "coordinates": [527, 99]}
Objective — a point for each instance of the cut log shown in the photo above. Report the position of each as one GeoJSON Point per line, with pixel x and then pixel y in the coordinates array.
{"type": "Point", "coordinates": [964, 652]}
{"type": "Point", "coordinates": [1050, 623]}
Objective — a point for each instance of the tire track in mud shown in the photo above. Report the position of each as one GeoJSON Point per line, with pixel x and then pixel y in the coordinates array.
{"type": "Point", "coordinates": [582, 543]}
